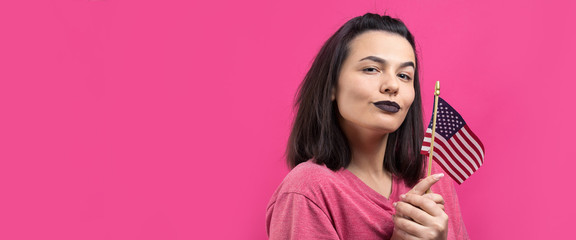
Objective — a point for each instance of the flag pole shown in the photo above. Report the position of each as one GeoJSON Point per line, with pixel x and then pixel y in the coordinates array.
{"type": "Point", "coordinates": [436, 94]}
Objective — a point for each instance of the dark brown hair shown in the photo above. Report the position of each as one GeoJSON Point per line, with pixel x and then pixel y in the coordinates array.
{"type": "Point", "coordinates": [316, 132]}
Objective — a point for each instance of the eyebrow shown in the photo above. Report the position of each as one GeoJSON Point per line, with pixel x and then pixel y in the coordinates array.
{"type": "Point", "coordinates": [382, 61]}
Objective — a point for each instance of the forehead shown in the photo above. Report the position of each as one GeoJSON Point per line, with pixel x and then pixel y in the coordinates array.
{"type": "Point", "coordinates": [389, 46]}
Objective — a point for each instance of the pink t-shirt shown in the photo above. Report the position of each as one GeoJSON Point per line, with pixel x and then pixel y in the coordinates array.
{"type": "Point", "coordinates": [314, 202]}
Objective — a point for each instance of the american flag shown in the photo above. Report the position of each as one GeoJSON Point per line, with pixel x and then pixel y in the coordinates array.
{"type": "Point", "coordinates": [456, 148]}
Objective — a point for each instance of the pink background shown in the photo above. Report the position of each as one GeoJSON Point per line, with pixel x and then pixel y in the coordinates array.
{"type": "Point", "coordinates": [168, 119]}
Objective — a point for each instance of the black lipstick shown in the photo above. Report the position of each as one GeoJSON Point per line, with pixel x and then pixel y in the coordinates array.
{"type": "Point", "coordinates": [388, 106]}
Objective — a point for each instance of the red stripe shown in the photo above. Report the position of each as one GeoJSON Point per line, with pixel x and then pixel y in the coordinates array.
{"type": "Point", "coordinates": [450, 164]}
{"type": "Point", "coordinates": [478, 159]}
{"type": "Point", "coordinates": [473, 146]}
{"type": "Point", "coordinates": [465, 160]}
{"type": "Point", "coordinates": [446, 146]}
{"type": "Point", "coordinates": [448, 172]}
{"type": "Point", "coordinates": [426, 143]}
{"type": "Point", "coordinates": [428, 135]}
{"type": "Point", "coordinates": [457, 140]}
{"type": "Point", "coordinates": [475, 138]}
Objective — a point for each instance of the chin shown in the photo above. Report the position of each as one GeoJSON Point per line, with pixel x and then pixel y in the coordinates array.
{"type": "Point", "coordinates": [386, 130]}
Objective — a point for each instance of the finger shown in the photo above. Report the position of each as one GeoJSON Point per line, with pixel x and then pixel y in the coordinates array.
{"type": "Point", "coordinates": [403, 235]}
{"type": "Point", "coordinates": [433, 226]}
{"type": "Point", "coordinates": [441, 206]}
{"type": "Point", "coordinates": [427, 205]}
{"type": "Point", "coordinates": [426, 183]}
{"type": "Point", "coordinates": [408, 229]}
{"type": "Point", "coordinates": [411, 212]}
{"type": "Point", "coordinates": [437, 198]}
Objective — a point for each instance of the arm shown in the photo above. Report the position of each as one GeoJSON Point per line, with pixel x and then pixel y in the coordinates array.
{"type": "Point", "coordinates": [294, 216]}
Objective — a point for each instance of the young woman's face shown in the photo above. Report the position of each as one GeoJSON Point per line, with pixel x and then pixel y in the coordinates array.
{"type": "Point", "coordinates": [376, 83]}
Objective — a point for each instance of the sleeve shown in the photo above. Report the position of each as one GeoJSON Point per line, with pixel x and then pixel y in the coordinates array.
{"type": "Point", "coordinates": [445, 187]}
{"type": "Point", "coordinates": [294, 216]}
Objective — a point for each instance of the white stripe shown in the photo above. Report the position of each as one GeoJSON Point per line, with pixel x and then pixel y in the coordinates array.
{"type": "Point", "coordinates": [425, 149]}
{"type": "Point", "coordinates": [427, 139]}
{"type": "Point", "coordinates": [464, 153]}
{"type": "Point", "coordinates": [446, 166]}
{"type": "Point", "coordinates": [429, 130]}
{"type": "Point", "coordinates": [455, 154]}
{"type": "Point", "coordinates": [454, 166]}
{"type": "Point", "coordinates": [440, 148]}
{"type": "Point", "coordinates": [473, 142]}
{"type": "Point", "coordinates": [459, 136]}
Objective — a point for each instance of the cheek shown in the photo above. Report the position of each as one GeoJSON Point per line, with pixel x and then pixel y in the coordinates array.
{"type": "Point", "coordinates": [352, 100]}
{"type": "Point", "coordinates": [354, 94]}
{"type": "Point", "coordinates": [410, 94]}
{"type": "Point", "coordinates": [409, 100]}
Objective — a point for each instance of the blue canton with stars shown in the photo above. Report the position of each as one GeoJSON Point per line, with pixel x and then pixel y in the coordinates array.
{"type": "Point", "coordinates": [448, 121]}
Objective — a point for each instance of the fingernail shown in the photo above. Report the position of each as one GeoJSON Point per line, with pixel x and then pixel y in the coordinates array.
{"type": "Point", "coordinates": [395, 203]}
{"type": "Point", "coordinates": [438, 176]}
{"type": "Point", "coordinates": [403, 196]}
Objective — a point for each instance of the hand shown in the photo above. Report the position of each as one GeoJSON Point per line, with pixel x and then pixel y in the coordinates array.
{"type": "Point", "coordinates": [420, 215]}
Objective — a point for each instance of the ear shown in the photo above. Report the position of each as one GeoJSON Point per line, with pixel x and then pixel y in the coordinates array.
{"type": "Point", "coordinates": [333, 95]}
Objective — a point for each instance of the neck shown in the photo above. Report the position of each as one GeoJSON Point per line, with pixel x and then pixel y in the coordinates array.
{"type": "Point", "coordinates": [368, 150]}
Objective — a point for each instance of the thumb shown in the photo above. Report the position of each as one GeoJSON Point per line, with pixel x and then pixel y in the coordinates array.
{"type": "Point", "coordinates": [426, 183]}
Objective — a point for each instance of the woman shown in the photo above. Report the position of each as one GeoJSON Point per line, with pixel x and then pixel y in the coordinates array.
{"type": "Point", "coordinates": [354, 147]}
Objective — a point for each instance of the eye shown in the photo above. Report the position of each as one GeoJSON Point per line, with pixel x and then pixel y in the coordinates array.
{"type": "Point", "coordinates": [404, 76]}
{"type": "Point", "coordinates": [371, 70]}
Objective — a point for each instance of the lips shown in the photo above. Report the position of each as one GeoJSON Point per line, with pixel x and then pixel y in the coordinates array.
{"type": "Point", "coordinates": [388, 106]}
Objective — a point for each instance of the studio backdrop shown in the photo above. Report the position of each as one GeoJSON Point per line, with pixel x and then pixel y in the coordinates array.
{"type": "Point", "coordinates": [125, 119]}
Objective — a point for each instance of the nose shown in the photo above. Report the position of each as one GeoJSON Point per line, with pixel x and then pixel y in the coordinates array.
{"type": "Point", "coordinates": [389, 84]}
